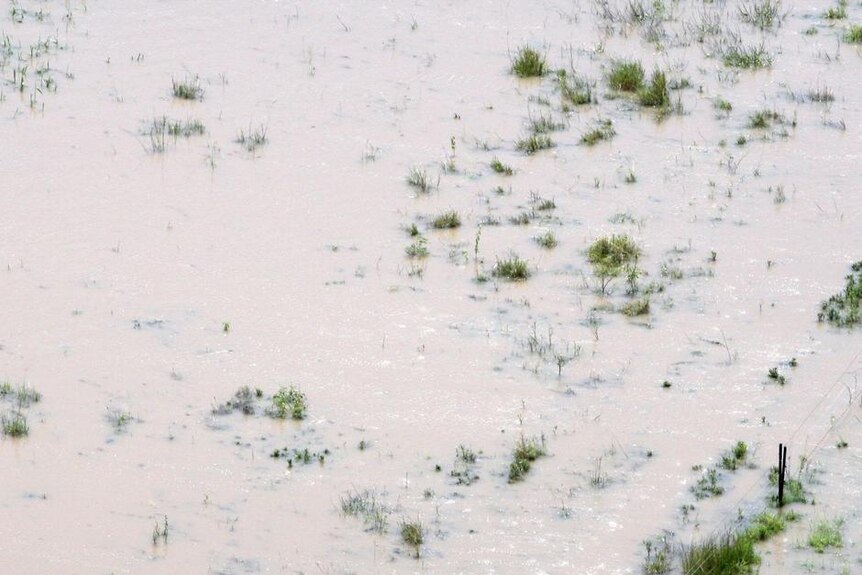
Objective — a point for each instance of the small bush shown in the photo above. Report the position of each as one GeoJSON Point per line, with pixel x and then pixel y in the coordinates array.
{"type": "Point", "coordinates": [288, 402]}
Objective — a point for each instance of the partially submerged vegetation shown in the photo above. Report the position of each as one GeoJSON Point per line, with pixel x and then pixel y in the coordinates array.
{"type": "Point", "coordinates": [528, 63]}
{"type": "Point", "coordinates": [526, 451]}
{"type": "Point", "coordinates": [14, 423]}
{"type": "Point", "coordinates": [844, 309]}
{"type": "Point", "coordinates": [511, 268]}
{"type": "Point", "coordinates": [626, 76]}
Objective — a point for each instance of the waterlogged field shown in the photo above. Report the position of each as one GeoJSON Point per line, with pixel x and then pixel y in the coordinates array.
{"type": "Point", "coordinates": [483, 287]}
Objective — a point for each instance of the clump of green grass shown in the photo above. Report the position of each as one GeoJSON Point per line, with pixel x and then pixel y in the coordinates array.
{"type": "Point", "coordinates": [288, 402]}
{"type": "Point", "coordinates": [541, 204]}
{"type": "Point", "coordinates": [547, 240]}
{"type": "Point", "coordinates": [252, 139]}
{"type": "Point", "coordinates": [655, 95]}
{"type": "Point", "coordinates": [768, 524]}
{"type": "Point", "coordinates": [626, 76]}
{"type": "Point", "coordinates": [187, 89]}
{"type": "Point", "coordinates": [525, 453]}
{"type": "Point", "coordinates": [838, 12]}
{"type": "Point", "coordinates": [501, 168]}
{"type": "Point", "coordinates": [734, 458]}
{"type": "Point", "coordinates": [604, 131]}
{"type": "Point", "coordinates": [412, 534]}
{"type": "Point", "coordinates": [574, 89]}
{"type": "Point", "coordinates": [763, 14]}
{"type": "Point", "coordinates": [511, 268]}
{"type": "Point", "coordinates": [636, 307]}
{"type": "Point", "coordinates": [528, 63]}
{"type": "Point", "coordinates": [726, 554]}
{"type": "Point", "coordinates": [610, 255]}
{"type": "Point", "coordinates": [746, 56]}
{"type": "Point", "coordinates": [854, 34]}
{"type": "Point", "coordinates": [844, 309]}
{"type": "Point", "coordinates": [722, 105]}
{"type": "Point", "coordinates": [15, 425]}
{"type": "Point", "coordinates": [366, 506]}
{"type": "Point", "coordinates": [614, 250]}
{"type": "Point", "coordinates": [534, 143]}
{"type": "Point", "coordinates": [446, 221]}
{"type": "Point", "coordinates": [825, 534]}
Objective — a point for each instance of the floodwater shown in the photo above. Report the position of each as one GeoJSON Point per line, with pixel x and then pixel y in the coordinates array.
{"type": "Point", "coordinates": [123, 265]}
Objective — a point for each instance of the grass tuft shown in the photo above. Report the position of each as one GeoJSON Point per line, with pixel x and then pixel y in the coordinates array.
{"type": "Point", "coordinates": [547, 240]}
{"type": "Point", "coordinates": [825, 534]}
{"type": "Point", "coordinates": [534, 143]}
{"type": "Point", "coordinates": [512, 268]}
{"type": "Point", "coordinates": [15, 425]}
{"type": "Point", "coordinates": [525, 453]}
{"type": "Point", "coordinates": [750, 57]}
{"type": "Point", "coordinates": [844, 309]}
{"type": "Point", "coordinates": [187, 89]}
{"type": "Point", "coordinates": [604, 131]}
{"type": "Point", "coordinates": [656, 94]}
{"type": "Point", "coordinates": [288, 402]}
{"type": "Point", "coordinates": [501, 168]}
{"type": "Point", "coordinates": [528, 63]}
{"type": "Point", "coordinates": [446, 221]}
{"type": "Point", "coordinates": [252, 139]}
{"type": "Point", "coordinates": [854, 34]}
{"type": "Point", "coordinates": [626, 76]}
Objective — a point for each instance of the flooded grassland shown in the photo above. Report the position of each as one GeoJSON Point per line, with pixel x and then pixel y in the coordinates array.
{"type": "Point", "coordinates": [485, 287]}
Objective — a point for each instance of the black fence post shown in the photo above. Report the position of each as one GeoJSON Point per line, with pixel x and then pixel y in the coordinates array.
{"type": "Point", "coordinates": [782, 467]}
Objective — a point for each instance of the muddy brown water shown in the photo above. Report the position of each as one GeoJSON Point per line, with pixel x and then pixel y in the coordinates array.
{"type": "Point", "coordinates": [122, 266]}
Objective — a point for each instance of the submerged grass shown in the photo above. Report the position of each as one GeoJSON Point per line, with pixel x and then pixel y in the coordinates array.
{"type": "Point", "coordinates": [187, 89]}
{"type": "Point", "coordinates": [854, 34]}
{"type": "Point", "coordinates": [534, 143]}
{"type": "Point", "coordinates": [511, 268]}
{"type": "Point", "coordinates": [825, 534]}
{"type": "Point", "coordinates": [446, 221]}
{"type": "Point", "coordinates": [745, 56]}
{"type": "Point", "coordinates": [15, 425]}
{"type": "Point", "coordinates": [366, 506]}
{"type": "Point", "coordinates": [252, 139]}
{"type": "Point", "coordinates": [525, 453]}
{"type": "Point", "coordinates": [604, 131]}
{"type": "Point", "coordinates": [844, 309]}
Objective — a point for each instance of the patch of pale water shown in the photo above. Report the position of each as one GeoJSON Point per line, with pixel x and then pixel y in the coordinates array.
{"type": "Point", "coordinates": [122, 267]}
